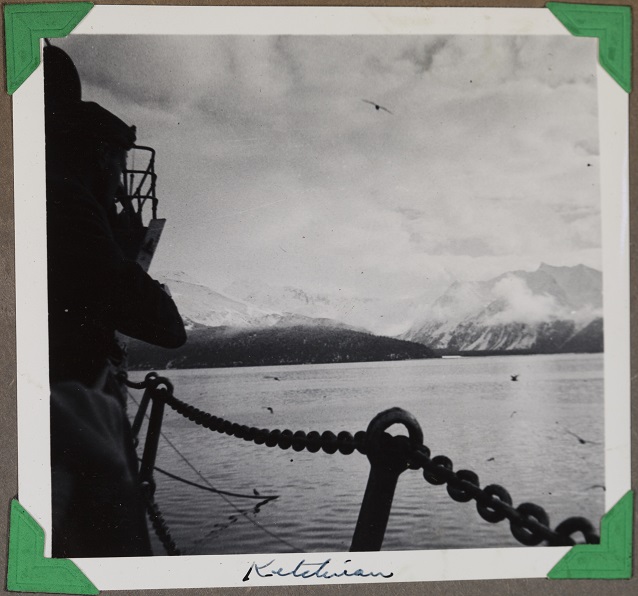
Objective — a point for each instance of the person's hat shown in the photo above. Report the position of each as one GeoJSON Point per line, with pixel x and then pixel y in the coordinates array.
{"type": "Point", "coordinates": [67, 115]}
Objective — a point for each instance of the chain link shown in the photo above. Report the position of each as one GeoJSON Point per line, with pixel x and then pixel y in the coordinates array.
{"type": "Point", "coordinates": [529, 523]}
{"type": "Point", "coordinates": [157, 520]}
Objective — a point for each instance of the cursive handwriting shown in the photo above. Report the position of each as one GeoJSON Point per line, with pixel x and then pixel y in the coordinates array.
{"type": "Point", "coordinates": [305, 569]}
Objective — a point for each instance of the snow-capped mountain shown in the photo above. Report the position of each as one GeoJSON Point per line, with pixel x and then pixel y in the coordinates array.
{"type": "Point", "coordinates": [547, 310]}
{"type": "Point", "coordinates": [199, 304]}
{"type": "Point", "coordinates": [373, 314]}
{"type": "Point", "coordinates": [225, 331]}
{"type": "Point", "coordinates": [202, 306]}
{"type": "Point", "coordinates": [294, 300]}
{"type": "Point", "coordinates": [552, 309]}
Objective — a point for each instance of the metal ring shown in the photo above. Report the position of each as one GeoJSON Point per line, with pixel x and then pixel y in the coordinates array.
{"type": "Point", "coordinates": [151, 377]}
{"type": "Point", "coordinates": [345, 442]}
{"type": "Point", "coordinates": [524, 535]}
{"type": "Point", "coordinates": [455, 488]}
{"type": "Point", "coordinates": [299, 440]}
{"type": "Point", "coordinates": [314, 441]}
{"type": "Point", "coordinates": [360, 441]}
{"type": "Point", "coordinates": [384, 420]}
{"type": "Point", "coordinates": [329, 442]}
{"type": "Point", "coordinates": [285, 439]}
{"type": "Point", "coordinates": [577, 524]}
{"type": "Point", "coordinates": [487, 511]}
{"type": "Point", "coordinates": [164, 381]}
{"type": "Point", "coordinates": [442, 461]}
{"type": "Point", "coordinates": [273, 438]}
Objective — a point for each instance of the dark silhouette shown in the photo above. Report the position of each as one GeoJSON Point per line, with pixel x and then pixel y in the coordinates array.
{"type": "Point", "coordinates": [210, 347]}
{"type": "Point", "coordinates": [597, 486]}
{"type": "Point", "coordinates": [580, 439]}
{"type": "Point", "coordinates": [94, 291]}
{"type": "Point", "coordinates": [377, 106]}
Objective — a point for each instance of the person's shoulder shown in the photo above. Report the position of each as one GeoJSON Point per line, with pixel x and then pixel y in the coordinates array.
{"type": "Point", "coordinates": [69, 198]}
{"type": "Point", "coordinates": [58, 186]}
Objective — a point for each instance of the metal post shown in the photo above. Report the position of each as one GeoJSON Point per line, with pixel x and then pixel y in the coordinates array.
{"type": "Point", "coordinates": [141, 412]}
{"type": "Point", "coordinates": [388, 459]}
{"type": "Point", "coordinates": [152, 439]}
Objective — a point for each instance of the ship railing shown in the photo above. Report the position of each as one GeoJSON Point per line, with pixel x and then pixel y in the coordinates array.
{"type": "Point", "coordinates": [140, 184]}
{"type": "Point", "coordinates": [389, 456]}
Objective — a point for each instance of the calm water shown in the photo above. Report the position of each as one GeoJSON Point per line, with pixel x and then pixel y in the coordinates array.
{"type": "Point", "coordinates": [510, 433]}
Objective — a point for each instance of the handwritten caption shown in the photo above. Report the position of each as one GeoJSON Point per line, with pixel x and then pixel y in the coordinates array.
{"type": "Point", "coordinates": [308, 569]}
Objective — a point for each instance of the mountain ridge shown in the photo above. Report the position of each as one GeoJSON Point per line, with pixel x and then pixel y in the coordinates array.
{"type": "Point", "coordinates": [541, 311]}
{"type": "Point", "coordinates": [216, 347]}
{"type": "Point", "coordinates": [547, 310]}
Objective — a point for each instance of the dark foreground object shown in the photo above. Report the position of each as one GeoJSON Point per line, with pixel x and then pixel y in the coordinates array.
{"type": "Point", "coordinates": [212, 347]}
{"type": "Point", "coordinates": [98, 510]}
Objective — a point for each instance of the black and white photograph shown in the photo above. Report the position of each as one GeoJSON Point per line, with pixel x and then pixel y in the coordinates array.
{"type": "Point", "coordinates": [314, 294]}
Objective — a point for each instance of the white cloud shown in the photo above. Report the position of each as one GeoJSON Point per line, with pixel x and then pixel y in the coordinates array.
{"type": "Point", "coordinates": [521, 305]}
{"type": "Point", "coordinates": [271, 166]}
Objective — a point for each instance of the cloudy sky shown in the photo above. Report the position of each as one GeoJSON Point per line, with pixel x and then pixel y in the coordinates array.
{"type": "Point", "coordinates": [272, 168]}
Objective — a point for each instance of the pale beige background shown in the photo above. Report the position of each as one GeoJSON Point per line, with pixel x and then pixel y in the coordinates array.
{"type": "Point", "coordinates": [8, 456]}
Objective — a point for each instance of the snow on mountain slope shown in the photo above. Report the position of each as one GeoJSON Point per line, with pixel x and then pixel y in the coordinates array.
{"type": "Point", "coordinates": [202, 305]}
{"type": "Point", "coordinates": [199, 305]}
{"type": "Point", "coordinates": [540, 310]}
{"type": "Point", "coordinates": [381, 316]}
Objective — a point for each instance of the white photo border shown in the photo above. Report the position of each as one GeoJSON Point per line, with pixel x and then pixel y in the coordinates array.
{"type": "Point", "coordinates": [31, 302]}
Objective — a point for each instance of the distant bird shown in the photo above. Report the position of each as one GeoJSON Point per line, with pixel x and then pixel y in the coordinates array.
{"type": "Point", "coordinates": [491, 459]}
{"type": "Point", "coordinates": [597, 486]}
{"type": "Point", "coordinates": [256, 492]}
{"type": "Point", "coordinates": [580, 439]}
{"type": "Point", "coordinates": [512, 414]}
{"type": "Point", "coordinates": [269, 409]}
{"type": "Point", "coordinates": [377, 106]}
{"type": "Point", "coordinates": [274, 378]}
{"type": "Point", "coordinates": [514, 377]}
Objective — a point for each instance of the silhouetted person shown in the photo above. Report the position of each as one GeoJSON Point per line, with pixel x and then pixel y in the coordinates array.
{"type": "Point", "coordinates": [93, 291]}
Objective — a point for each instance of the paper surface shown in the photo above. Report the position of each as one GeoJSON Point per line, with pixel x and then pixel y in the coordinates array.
{"type": "Point", "coordinates": [229, 570]}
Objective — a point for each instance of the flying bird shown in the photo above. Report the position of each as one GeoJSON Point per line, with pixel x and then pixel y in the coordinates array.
{"type": "Point", "coordinates": [514, 377]}
{"type": "Point", "coordinates": [269, 409]}
{"type": "Point", "coordinates": [269, 377]}
{"type": "Point", "coordinates": [596, 486]}
{"type": "Point", "coordinates": [377, 106]}
{"type": "Point", "coordinates": [580, 439]}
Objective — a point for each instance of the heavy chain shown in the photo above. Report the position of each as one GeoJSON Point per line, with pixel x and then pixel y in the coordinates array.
{"type": "Point", "coordinates": [529, 523]}
{"type": "Point", "coordinates": [344, 442]}
{"type": "Point", "coordinates": [158, 522]}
